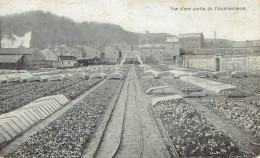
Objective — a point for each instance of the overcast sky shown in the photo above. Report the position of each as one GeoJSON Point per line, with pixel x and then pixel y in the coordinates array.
{"type": "Point", "coordinates": [154, 15]}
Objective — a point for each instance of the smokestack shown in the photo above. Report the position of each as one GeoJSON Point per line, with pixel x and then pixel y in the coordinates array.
{"type": "Point", "coordinates": [65, 42]}
{"type": "Point", "coordinates": [215, 37]}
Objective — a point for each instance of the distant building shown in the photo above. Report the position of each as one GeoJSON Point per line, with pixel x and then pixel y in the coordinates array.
{"type": "Point", "coordinates": [31, 58]}
{"type": "Point", "coordinates": [67, 56]}
{"type": "Point", "coordinates": [191, 41]}
{"type": "Point", "coordinates": [14, 62]}
{"type": "Point", "coordinates": [111, 54]}
{"type": "Point", "coordinates": [223, 43]}
{"type": "Point", "coordinates": [51, 58]}
{"type": "Point", "coordinates": [173, 50]}
{"type": "Point", "coordinates": [152, 52]}
{"type": "Point", "coordinates": [35, 60]}
{"type": "Point", "coordinates": [174, 41]}
{"type": "Point", "coordinates": [172, 53]}
{"type": "Point", "coordinates": [91, 52]}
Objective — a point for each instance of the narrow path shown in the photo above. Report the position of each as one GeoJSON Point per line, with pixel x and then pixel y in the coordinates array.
{"type": "Point", "coordinates": [131, 131]}
{"type": "Point", "coordinates": [131, 140]}
{"type": "Point", "coordinates": [111, 138]}
{"type": "Point", "coordinates": [153, 143]}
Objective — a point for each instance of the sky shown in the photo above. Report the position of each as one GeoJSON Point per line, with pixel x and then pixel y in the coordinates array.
{"type": "Point", "coordinates": [155, 16]}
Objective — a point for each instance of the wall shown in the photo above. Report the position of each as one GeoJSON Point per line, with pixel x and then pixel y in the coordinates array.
{"type": "Point", "coordinates": [190, 44]}
{"type": "Point", "coordinates": [202, 62]}
{"type": "Point", "coordinates": [42, 64]}
{"type": "Point", "coordinates": [67, 63]}
{"type": "Point", "coordinates": [226, 63]}
{"type": "Point", "coordinates": [36, 59]}
{"type": "Point", "coordinates": [240, 63]}
{"type": "Point", "coordinates": [157, 54]}
{"type": "Point", "coordinates": [172, 51]}
{"type": "Point", "coordinates": [225, 51]}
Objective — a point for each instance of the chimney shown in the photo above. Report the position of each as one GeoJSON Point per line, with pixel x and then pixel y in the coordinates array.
{"type": "Point", "coordinates": [215, 38]}
{"type": "Point", "coordinates": [66, 42]}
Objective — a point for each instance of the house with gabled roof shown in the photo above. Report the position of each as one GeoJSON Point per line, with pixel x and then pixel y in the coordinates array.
{"type": "Point", "coordinates": [91, 53]}
{"type": "Point", "coordinates": [111, 54]}
{"type": "Point", "coordinates": [67, 56]}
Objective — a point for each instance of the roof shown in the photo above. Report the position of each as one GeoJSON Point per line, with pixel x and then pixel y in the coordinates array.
{"type": "Point", "coordinates": [173, 39]}
{"type": "Point", "coordinates": [152, 46]}
{"type": "Point", "coordinates": [67, 51]}
{"type": "Point", "coordinates": [10, 58]}
{"type": "Point", "coordinates": [190, 35]}
{"type": "Point", "coordinates": [253, 43]}
{"type": "Point", "coordinates": [83, 59]}
{"type": "Point", "coordinates": [111, 48]}
{"type": "Point", "coordinates": [224, 43]}
{"type": "Point", "coordinates": [81, 49]}
{"type": "Point", "coordinates": [50, 55]}
{"type": "Point", "coordinates": [17, 51]}
{"type": "Point", "coordinates": [90, 49]}
{"type": "Point", "coordinates": [239, 43]}
{"type": "Point", "coordinates": [117, 48]}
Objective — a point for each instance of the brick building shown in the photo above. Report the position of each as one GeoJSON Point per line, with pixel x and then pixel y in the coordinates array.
{"type": "Point", "coordinates": [191, 41]}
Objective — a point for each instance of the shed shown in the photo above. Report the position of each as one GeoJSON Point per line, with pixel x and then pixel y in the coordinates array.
{"type": "Point", "coordinates": [15, 62]}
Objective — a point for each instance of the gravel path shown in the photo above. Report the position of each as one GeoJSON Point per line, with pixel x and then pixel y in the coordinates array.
{"type": "Point", "coordinates": [131, 131]}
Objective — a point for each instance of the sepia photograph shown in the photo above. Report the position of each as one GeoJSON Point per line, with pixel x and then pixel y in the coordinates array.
{"type": "Point", "coordinates": [129, 79]}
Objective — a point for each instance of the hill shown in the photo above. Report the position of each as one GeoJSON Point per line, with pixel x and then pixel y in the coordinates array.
{"type": "Point", "coordinates": [49, 29]}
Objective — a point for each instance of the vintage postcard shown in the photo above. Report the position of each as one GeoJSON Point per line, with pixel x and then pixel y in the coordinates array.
{"type": "Point", "coordinates": [132, 78]}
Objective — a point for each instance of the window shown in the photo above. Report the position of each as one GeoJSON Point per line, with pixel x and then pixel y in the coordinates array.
{"type": "Point", "coordinates": [114, 52]}
{"type": "Point", "coordinates": [84, 54]}
{"type": "Point", "coordinates": [102, 55]}
{"type": "Point", "coordinates": [61, 62]}
{"type": "Point", "coordinates": [69, 62]}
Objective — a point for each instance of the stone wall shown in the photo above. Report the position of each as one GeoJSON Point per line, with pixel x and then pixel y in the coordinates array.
{"type": "Point", "coordinates": [226, 63]}
{"type": "Point", "coordinates": [240, 63]}
{"type": "Point", "coordinates": [202, 62]}
{"type": "Point", "coordinates": [225, 51]}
